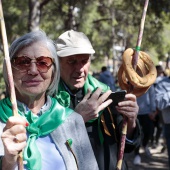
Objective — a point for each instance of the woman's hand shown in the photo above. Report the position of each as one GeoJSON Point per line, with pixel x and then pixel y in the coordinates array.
{"type": "Point", "coordinates": [14, 140]}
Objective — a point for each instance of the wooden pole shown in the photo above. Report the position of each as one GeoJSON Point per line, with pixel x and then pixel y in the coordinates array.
{"type": "Point", "coordinates": [10, 76]}
{"type": "Point", "coordinates": [134, 64]}
{"type": "Point", "coordinates": [140, 35]}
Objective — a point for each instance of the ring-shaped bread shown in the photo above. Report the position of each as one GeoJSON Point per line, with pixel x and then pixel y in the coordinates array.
{"type": "Point", "coordinates": [141, 78]}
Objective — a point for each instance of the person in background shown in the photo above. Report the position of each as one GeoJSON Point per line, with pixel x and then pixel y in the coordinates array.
{"type": "Point", "coordinates": [158, 122]}
{"type": "Point", "coordinates": [50, 135]}
{"type": "Point", "coordinates": [82, 92]}
{"type": "Point", "coordinates": [160, 74]}
{"type": "Point", "coordinates": [106, 77]}
{"type": "Point", "coordinates": [146, 115]}
{"type": "Point", "coordinates": [162, 90]}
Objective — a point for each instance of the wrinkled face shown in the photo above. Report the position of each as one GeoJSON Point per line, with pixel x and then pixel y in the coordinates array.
{"type": "Point", "coordinates": [74, 70]}
{"type": "Point", "coordinates": [32, 82]}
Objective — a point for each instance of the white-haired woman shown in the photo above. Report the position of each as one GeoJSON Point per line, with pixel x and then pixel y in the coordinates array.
{"type": "Point", "coordinates": [51, 136]}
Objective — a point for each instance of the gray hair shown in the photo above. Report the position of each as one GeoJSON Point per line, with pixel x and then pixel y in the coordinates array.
{"type": "Point", "coordinates": [27, 40]}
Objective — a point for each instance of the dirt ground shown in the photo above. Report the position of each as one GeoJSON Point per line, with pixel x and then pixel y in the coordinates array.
{"type": "Point", "coordinates": [158, 160]}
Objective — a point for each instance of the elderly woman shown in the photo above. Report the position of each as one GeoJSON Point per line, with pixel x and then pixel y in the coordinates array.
{"type": "Point", "coordinates": [52, 137]}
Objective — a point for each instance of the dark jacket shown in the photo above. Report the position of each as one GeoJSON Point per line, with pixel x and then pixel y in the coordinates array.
{"type": "Point", "coordinates": [107, 152]}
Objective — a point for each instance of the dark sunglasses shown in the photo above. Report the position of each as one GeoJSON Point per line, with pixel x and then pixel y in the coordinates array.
{"type": "Point", "coordinates": [23, 63]}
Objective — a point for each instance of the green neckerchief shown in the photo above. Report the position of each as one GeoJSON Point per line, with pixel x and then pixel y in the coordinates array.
{"type": "Point", "coordinates": [39, 126]}
{"type": "Point", "coordinates": [91, 83]}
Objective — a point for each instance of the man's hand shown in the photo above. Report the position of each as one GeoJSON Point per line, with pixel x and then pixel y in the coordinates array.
{"type": "Point", "coordinates": [14, 140]}
{"type": "Point", "coordinates": [129, 108]}
{"type": "Point", "coordinates": [92, 104]}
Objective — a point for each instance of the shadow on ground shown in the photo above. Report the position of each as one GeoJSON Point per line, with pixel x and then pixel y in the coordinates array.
{"type": "Point", "coordinates": [158, 160]}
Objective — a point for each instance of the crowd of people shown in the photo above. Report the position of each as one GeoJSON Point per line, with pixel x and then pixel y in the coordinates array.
{"type": "Point", "coordinates": [66, 120]}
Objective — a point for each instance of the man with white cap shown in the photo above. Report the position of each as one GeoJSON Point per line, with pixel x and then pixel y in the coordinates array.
{"type": "Point", "coordinates": [81, 92]}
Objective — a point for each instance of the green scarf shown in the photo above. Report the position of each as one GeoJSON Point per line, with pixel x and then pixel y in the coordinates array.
{"type": "Point", "coordinates": [91, 83]}
{"type": "Point", "coordinates": [39, 126]}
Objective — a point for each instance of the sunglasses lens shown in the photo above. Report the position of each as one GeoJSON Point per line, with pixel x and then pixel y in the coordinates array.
{"type": "Point", "coordinates": [44, 63]}
{"type": "Point", "coordinates": [23, 63]}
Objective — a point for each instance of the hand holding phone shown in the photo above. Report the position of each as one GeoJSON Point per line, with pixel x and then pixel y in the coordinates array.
{"type": "Point", "coordinates": [117, 96]}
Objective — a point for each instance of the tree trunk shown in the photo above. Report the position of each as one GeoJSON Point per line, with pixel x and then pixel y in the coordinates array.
{"type": "Point", "coordinates": [34, 15]}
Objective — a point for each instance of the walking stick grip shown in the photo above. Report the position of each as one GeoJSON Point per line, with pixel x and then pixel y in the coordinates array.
{"type": "Point", "coordinates": [10, 76]}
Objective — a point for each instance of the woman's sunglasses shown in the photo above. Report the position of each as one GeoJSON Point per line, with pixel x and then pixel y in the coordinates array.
{"type": "Point", "coordinates": [23, 63]}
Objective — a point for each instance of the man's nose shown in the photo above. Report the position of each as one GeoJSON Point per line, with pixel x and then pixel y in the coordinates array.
{"type": "Point", "coordinates": [80, 67]}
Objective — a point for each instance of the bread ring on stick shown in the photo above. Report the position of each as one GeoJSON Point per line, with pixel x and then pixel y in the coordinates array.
{"type": "Point", "coordinates": [132, 75]}
{"type": "Point", "coordinates": [142, 78]}
{"type": "Point", "coordinates": [124, 84]}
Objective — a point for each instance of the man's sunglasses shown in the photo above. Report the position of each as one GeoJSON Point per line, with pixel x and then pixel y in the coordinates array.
{"type": "Point", "coordinates": [23, 63]}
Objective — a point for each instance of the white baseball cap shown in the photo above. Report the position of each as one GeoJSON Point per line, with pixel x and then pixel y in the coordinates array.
{"type": "Point", "coordinates": [72, 42]}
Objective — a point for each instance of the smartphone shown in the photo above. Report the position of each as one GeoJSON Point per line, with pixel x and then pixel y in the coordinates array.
{"type": "Point", "coordinates": [117, 96]}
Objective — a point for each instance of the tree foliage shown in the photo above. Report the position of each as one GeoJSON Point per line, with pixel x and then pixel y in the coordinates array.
{"type": "Point", "coordinates": [107, 23]}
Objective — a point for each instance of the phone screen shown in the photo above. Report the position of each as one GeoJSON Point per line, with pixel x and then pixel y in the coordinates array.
{"type": "Point", "coordinates": [117, 96]}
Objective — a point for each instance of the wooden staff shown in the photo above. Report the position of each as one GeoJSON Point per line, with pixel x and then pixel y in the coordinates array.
{"type": "Point", "coordinates": [10, 76]}
{"type": "Point", "coordinates": [140, 35]}
{"type": "Point", "coordinates": [134, 64]}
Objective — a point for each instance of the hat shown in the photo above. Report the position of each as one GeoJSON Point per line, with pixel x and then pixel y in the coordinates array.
{"type": "Point", "coordinates": [72, 42]}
